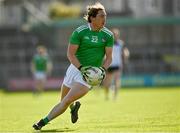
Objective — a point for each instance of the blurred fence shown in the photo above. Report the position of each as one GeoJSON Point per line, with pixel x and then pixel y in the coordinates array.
{"type": "Point", "coordinates": [154, 43]}
{"type": "Point", "coordinates": [154, 47]}
{"type": "Point", "coordinates": [151, 36]}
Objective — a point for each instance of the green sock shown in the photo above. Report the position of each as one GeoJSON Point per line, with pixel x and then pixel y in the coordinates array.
{"type": "Point", "coordinates": [46, 120]}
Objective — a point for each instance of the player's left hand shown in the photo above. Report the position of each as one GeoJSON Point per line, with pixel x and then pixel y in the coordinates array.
{"type": "Point", "coordinates": [103, 72]}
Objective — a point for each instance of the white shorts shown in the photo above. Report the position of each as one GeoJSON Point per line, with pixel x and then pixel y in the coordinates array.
{"type": "Point", "coordinates": [73, 75]}
{"type": "Point", "coordinates": [40, 75]}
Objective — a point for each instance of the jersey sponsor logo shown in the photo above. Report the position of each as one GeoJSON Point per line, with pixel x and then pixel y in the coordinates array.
{"type": "Point", "coordinates": [86, 37]}
{"type": "Point", "coordinates": [94, 39]}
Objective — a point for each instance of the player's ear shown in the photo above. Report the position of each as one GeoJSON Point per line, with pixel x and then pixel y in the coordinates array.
{"type": "Point", "coordinates": [92, 18]}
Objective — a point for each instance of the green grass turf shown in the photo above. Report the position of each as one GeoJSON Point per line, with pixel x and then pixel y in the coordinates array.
{"type": "Point", "coordinates": [135, 110]}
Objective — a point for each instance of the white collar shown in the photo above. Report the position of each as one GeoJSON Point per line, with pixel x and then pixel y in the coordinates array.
{"type": "Point", "coordinates": [89, 26]}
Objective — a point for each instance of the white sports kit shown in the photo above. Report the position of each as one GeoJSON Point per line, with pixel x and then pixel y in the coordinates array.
{"type": "Point", "coordinates": [74, 75]}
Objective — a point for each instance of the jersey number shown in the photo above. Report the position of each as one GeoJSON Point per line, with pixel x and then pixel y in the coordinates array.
{"type": "Point", "coordinates": [94, 39]}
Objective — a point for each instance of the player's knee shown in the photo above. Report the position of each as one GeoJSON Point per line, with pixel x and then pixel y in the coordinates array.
{"type": "Point", "coordinates": [67, 101]}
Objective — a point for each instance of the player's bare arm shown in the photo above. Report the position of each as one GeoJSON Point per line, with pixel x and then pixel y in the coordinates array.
{"type": "Point", "coordinates": [71, 55]}
{"type": "Point", "coordinates": [108, 59]}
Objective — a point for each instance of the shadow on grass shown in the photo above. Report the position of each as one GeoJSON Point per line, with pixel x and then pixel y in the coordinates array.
{"type": "Point", "coordinates": [57, 130]}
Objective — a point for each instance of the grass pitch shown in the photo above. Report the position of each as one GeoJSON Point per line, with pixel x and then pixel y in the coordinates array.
{"type": "Point", "coordinates": [135, 110]}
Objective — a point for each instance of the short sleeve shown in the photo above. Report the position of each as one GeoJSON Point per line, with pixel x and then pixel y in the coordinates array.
{"type": "Point", "coordinates": [74, 38]}
{"type": "Point", "coordinates": [110, 41]}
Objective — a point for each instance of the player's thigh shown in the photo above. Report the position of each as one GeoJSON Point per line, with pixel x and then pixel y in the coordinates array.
{"type": "Point", "coordinates": [117, 74]}
{"type": "Point", "coordinates": [108, 79]}
{"type": "Point", "coordinates": [77, 91]}
{"type": "Point", "coordinates": [64, 91]}
{"type": "Point", "coordinates": [109, 75]}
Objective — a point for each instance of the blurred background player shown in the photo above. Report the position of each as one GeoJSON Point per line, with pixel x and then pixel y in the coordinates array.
{"type": "Point", "coordinates": [88, 46]}
{"type": "Point", "coordinates": [113, 75]}
{"type": "Point", "coordinates": [41, 67]}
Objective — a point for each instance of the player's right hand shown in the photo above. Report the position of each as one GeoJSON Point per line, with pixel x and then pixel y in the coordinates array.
{"type": "Point", "coordinates": [83, 70]}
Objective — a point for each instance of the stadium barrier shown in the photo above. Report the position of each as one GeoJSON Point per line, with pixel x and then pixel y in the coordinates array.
{"type": "Point", "coordinates": [27, 84]}
{"type": "Point", "coordinates": [151, 80]}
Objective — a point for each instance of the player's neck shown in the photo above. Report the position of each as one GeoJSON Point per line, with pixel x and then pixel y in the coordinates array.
{"type": "Point", "coordinates": [94, 27]}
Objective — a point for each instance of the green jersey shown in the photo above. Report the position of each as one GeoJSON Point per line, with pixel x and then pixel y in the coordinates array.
{"type": "Point", "coordinates": [92, 44]}
{"type": "Point", "coordinates": [40, 62]}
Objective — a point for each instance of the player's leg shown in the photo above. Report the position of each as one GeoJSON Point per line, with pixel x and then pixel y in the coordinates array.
{"type": "Point", "coordinates": [42, 85]}
{"type": "Point", "coordinates": [117, 81]}
{"type": "Point", "coordinates": [64, 91]}
{"type": "Point", "coordinates": [42, 122]}
{"type": "Point", "coordinates": [106, 84]}
{"type": "Point", "coordinates": [38, 86]}
{"type": "Point", "coordinates": [40, 80]}
{"type": "Point", "coordinates": [73, 107]}
{"type": "Point", "coordinates": [76, 92]}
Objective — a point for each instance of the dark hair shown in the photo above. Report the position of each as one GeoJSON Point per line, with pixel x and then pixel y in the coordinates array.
{"type": "Point", "coordinates": [92, 11]}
